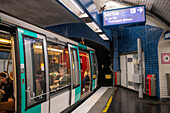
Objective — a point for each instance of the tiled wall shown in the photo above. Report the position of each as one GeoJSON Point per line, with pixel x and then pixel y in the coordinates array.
{"type": "Point", "coordinates": [127, 42]}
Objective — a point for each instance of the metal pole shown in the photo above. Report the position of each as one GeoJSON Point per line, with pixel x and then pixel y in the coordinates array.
{"type": "Point", "coordinates": [140, 66]}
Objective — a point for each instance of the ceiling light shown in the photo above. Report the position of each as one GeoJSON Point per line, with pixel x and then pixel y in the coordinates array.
{"type": "Point", "coordinates": [104, 37]}
{"type": "Point", "coordinates": [78, 7]}
{"type": "Point", "coordinates": [84, 15]}
{"type": "Point", "coordinates": [96, 26]}
{"type": "Point", "coordinates": [99, 31]}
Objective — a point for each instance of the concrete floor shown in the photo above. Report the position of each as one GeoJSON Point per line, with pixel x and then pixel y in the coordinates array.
{"type": "Point", "coordinates": [126, 101]}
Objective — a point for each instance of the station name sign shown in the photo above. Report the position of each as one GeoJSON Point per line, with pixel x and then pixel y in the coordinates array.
{"type": "Point", "coordinates": [123, 16]}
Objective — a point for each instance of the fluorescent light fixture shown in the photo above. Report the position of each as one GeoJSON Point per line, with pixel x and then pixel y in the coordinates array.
{"type": "Point", "coordinates": [104, 37]}
{"type": "Point", "coordinates": [56, 50]}
{"type": "Point", "coordinates": [91, 26]}
{"type": "Point", "coordinates": [84, 15]}
{"type": "Point", "coordinates": [1, 31]}
{"type": "Point", "coordinates": [96, 26]}
{"type": "Point", "coordinates": [5, 41]}
{"type": "Point", "coordinates": [78, 7]}
{"type": "Point", "coordinates": [99, 31]}
{"type": "Point", "coordinates": [38, 47]}
{"type": "Point", "coordinates": [66, 5]}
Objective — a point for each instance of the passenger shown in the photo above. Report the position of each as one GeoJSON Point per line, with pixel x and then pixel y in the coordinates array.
{"type": "Point", "coordinates": [62, 79]}
{"type": "Point", "coordinates": [7, 103]}
{"type": "Point", "coordinates": [86, 78]}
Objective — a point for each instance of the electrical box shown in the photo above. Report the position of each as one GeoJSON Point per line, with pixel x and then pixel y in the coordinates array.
{"type": "Point", "coordinates": [151, 85]}
{"type": "Point", "coordinates": [117, 78]}
{"type": "Point", "coordinates": [137, 78]}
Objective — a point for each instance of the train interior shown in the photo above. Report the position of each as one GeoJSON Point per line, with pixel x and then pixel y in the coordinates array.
{"type": "Point", "coordinates": [58, 61]}
{"type": "Point", "coordinates": [7, 102]}
{"type": "Point", "coordinates": [85, 73]}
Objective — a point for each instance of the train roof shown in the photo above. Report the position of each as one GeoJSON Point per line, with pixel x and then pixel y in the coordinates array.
{"type": "Point", "coordinates": [5, 18]}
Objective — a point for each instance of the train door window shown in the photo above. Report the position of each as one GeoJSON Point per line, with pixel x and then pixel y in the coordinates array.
{"type": "Point", "coordinates": [35, 71]}
{"type": "Point", "coordinates": [75, 69]}
{"type": "Point", "coordinates": [94, 65]}
{"type": "Point", "coordinates": [59, 67]}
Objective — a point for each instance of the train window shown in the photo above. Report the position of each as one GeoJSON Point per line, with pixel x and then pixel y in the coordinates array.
{"type": "Point", "coordinates": [94, 64]}
{"type": "Point", "coordinates": [75, 69]}
{"type": "Point", "coordinates": [59, 67]}
{"type": "Point", "coordinates": [35, 71]}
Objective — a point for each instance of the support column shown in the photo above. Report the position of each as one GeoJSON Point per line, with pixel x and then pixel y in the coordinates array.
{"type": "Point", "coordinates": [140, 67]}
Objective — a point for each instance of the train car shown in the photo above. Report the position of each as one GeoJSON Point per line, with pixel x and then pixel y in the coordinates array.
{"type": "Point", "coordinates": [49, 73]}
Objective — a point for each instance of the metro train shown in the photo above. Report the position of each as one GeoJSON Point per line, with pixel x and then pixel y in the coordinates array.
{"type": "Point", "coordinates": [47, 70]}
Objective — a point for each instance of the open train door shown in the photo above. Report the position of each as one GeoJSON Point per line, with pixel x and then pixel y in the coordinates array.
{"type": "Point", "coordinates": [33, 72]}
{"type": "Point", "coordinates": [75, 73]}
{"type": "Point", "coordinates": [94, 68]}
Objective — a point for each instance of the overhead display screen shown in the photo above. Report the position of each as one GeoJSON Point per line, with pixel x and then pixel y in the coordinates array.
{"type": "Point", "coordinates": [124, 16]}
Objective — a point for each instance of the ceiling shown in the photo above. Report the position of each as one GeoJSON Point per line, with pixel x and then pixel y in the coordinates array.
{"type": "Point", "coordinates": [38, 12]}
{"type": "Point", "coordinates": [158, 9]}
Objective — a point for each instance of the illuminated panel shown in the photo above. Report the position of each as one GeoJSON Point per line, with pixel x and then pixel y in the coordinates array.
{"type": "Point", "coordinates": [124, 16]}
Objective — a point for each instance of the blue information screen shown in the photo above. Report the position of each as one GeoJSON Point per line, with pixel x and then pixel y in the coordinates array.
{"type": "Point", "coordinates": [124, 16]}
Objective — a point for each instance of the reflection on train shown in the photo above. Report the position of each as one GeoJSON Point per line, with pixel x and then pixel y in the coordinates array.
{"type": "Point", "coordinates": [40, 71]}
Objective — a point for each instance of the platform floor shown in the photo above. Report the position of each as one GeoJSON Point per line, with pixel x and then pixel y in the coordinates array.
{"type": "Point", "coordinates": [96, 102]}
{"type": "Point", "coordinates": [127, 101]}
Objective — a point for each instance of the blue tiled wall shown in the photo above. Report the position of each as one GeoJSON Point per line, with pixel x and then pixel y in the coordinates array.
{"type": "Point", "coordinates": [127, 42]}
{"type": "Point", "coordinates": [78, 30]}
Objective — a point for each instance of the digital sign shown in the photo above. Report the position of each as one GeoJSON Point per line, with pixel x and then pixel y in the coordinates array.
{"type": "Point", "coordinates": [124, 16]}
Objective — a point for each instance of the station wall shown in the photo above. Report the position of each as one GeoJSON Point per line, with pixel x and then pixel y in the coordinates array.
{"type": "Point", "coordinates": [164, 67]}
{"type": "Point", "coordinates": [126, 41]}
{"type": "Point", "coordinates": [78, 30]}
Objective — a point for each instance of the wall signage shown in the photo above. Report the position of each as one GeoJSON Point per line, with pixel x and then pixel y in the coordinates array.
{"type": "Point", "coordinates": [123, 16]}
{"type": "Point", "coordinates": [165, 57]}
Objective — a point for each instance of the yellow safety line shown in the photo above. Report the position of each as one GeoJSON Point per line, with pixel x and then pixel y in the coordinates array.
{"type": "Point", "coordinates": [107, 105]}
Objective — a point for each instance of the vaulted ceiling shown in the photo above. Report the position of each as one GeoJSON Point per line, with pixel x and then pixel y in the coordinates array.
{"type": "Point", "coordinates": [39, 12]}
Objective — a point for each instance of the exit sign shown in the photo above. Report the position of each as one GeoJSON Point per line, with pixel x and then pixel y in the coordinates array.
{"type": "Point", "coordinates": [123, 16]}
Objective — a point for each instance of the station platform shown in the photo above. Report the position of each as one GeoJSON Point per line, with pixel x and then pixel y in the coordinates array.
{"type": "Point", "coordinates": [121, 100]}
{"type": "Point", "coordinates": [97, 102]}
{"type": "Point", "coordinates": [127, 101]}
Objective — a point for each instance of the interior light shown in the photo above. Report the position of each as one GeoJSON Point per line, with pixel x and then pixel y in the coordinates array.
{"type": "Point", "coordinates": [38, 47]}
{"type": "Point", "coordinates": [78, 7]}
{"type": "Point", "coordinates": [56, 50]}
{"type": "Point", "coordinates": [96, 26]}
{"type": "Point", "coordinates": [5, 41]}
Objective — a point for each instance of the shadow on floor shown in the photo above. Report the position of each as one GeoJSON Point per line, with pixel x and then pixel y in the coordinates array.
{"type": "Point", "coordinates": [126, 101]}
